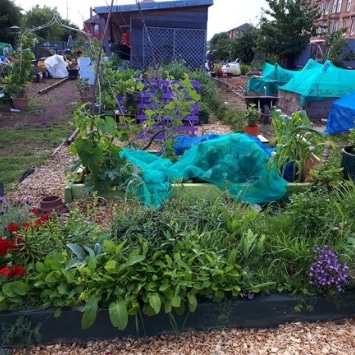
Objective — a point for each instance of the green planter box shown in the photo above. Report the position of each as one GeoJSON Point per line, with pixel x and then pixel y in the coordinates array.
{"type": "Point", "coordinates": [260, 312]}
{"type": "Point", "coordinates": [193, 190]}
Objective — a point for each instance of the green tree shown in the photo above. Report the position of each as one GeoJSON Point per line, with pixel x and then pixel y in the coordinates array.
{"type": "Point", "coordinates": [10, 15]}
{"type": "Point", "coordinates": [220, 46]}
{"type": "Point", "coordinates": [286, 28]}
{"type": "Point", "coordinates": [244, 46]}
{"type": "Point", "coordinates": [337, 48]}
{"type": "Point", "coordinates": [40, 16]}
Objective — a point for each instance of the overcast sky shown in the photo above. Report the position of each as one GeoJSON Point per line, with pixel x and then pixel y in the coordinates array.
{"type": "Point", "coordinates": [223, 15]}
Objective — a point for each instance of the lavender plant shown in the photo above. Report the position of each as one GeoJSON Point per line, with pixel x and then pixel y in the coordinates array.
{"type": "Point", "coordinates": [327, 272]}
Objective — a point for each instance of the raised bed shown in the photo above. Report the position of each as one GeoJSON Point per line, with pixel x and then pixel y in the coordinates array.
{"type": "Point", "coordinates": [260, 312]}
{"type": "Point", "coordinates": [77, 191]}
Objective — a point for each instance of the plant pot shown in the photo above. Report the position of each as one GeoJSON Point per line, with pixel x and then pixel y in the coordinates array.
{"type": "Point", "coordinates": [85, 99]}
{"type": "Point", "coordinates": [20, 103]}
{"type": "Point", "coordinates": [73, 73]}
{"type": "Point", "coordinates": [252, 130]}
{"type": "Point", "coordinates": [51, 204]}
{"type": "Point", "coordinates": [348, 162]}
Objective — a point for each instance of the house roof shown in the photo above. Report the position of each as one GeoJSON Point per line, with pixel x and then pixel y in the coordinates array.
{"type": "Point", "coordinates": [242, 27]}
{"type": "Point", "coordinates": [154, 5]}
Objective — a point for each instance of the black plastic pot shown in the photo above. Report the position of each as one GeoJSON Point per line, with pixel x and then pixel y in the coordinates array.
{"type": "Point", "coordinates": [348, 162]}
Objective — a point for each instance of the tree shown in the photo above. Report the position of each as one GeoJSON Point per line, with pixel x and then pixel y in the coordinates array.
{"type": "Point", "coordinates": [220, 46]}
{"type": "Point", "coordinates": [39, 16]}
{"type": "Point", "coordinates": [337, 48]}
{"type": "Point", "coordinates": [244, 46]}
{"type": "Point", "coordinates": [286, 28]}
{"type": "Point", "coordinates": [10, 15]}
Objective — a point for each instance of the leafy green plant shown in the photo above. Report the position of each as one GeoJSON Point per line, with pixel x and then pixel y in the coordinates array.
{"type": "Point", "coordinates": [168, 114]}
{"type": "Point", "coordinates": [296, 141]}
{"type": "Point", "coordinates": [252, 115]}
{"type": "Point", "coordinates": [83, 86]}
{"type": "Point", "coordinates": [244, 69]}
{"type": "Point", "coordinates": [328, 174]}
{"type": "Point", "coordinates": [16, 82]}
{"type": "Point", "coordinates": [97, 153]}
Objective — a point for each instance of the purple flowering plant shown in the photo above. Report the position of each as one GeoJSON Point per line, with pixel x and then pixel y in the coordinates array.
{"type": "Point", "coordinates": [327, 272]}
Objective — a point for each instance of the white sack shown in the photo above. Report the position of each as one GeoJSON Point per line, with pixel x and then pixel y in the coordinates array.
{"type": "Point", "coordinates": [56, 66]}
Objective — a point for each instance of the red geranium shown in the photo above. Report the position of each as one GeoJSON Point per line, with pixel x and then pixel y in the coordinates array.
{"type": "Point", "coordinates": [5, 271]}
{"type": "Point", "coordinates": [37, 222]}
{"type": "Point", "coordinates": [34, 210]}
{"type": "Point", "coordinates": [12, 228]}
{"type": "Point", "coordinates": [5, 245]}
{"type": "Point", "coordinates": [15, 270]}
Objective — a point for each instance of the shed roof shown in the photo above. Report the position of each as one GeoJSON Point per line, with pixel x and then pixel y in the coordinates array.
{"type": "Point", "coordinates": [156, 5]}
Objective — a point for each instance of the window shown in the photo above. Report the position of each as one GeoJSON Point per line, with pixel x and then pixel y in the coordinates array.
{"type": "Point", "coordinates": [345, 26]}
{"type": "Point", "coordinates": [96, 29]}
{"type": "Point", "coordinates": [352, 28]}
{"type": "Point", "coordinates": [326, 7]}
{"type": "Point", "coordinates": [335, 25]}
{"type": "Point", "coordinates": [340, 2]}
{"type": "Point", "coordinates": [348, 5]}
{"type": "Point", "coordinates": [334, 6]}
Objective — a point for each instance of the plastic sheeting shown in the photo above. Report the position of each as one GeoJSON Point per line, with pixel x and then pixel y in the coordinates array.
{"type": "Point", "coordinates": [236, 163]}
{"type": "Point", "coordinates": [341, 116]}
{"type": "Point", "coordinates": [56, 66]}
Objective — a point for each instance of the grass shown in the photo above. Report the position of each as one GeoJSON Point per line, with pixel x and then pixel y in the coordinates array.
{"type": "Point", "coordinates": [22, 148]}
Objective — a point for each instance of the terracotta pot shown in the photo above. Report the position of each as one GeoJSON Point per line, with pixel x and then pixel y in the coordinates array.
{"type": "Point", "coordinates": [252, 130]}
{"type": "Point", "coordinates": [20, 103]}
{"type": "Point", "coordinates": [85, 99]}
{"type": "Point", "coordinates": [51, 204]}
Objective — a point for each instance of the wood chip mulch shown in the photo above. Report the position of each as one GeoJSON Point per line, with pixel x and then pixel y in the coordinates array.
{"type": "Point", "coordinates": [288, 339]}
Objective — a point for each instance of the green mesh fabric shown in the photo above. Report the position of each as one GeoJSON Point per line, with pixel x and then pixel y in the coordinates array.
{"type": "Point", "coordinates": [5, 48]}
{"type": "Point", "coordinates": [236, 163]}
{"type": "Point", "coordinates": [318, 82]}
{"type": "Point", "coordinates": [271, 78]}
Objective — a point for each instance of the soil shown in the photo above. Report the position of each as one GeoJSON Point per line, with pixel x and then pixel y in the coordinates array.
{"type": "Point", "coordinates": [57, 105]}
{"type": "Point", "coordinates": [46, 107]}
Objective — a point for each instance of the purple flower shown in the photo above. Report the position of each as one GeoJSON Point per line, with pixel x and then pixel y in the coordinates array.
{"type": "Point", "coordinates": [327, 272]}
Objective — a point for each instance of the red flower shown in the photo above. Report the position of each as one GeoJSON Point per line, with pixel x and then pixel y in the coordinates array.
{"type": "Point", "coordinates": [42, 220]}
{"type": "Point", "coordinates": [26, 225]}
{"type": "Point", "coordinates": [5, 245]}
{"type": "Point", "coordinates": [12, 228]}
{"type": "Point", "coordinates": [17, 270]}
{"type": "Point", "coordinates": [5, 271]}
{"type": "Point", "coordinates": [13, 271]}
{"type": "Point", "coordinates": [34, 210]}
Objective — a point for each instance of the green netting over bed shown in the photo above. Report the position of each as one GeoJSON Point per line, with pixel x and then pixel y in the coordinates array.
{"type": "Point", "coordinates": [236, 163]}
{"type": "Point", "coordinates": [5, 49]}
{"type": "Point", "coordinates": [319, 82]}
{"type": "Point", "coordinates": [272, 76]}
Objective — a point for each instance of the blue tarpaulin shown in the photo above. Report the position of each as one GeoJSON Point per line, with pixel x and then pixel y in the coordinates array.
{"type": "Point", "coordinates": [341, 116]}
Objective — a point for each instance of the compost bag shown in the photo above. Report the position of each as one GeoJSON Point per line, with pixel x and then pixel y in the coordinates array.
{"type": "Point", "coordinates": [235, 163]}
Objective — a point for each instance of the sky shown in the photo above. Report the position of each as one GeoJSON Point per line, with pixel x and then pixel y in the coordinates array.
{"type": "Point", "coordinates": [223, 15]}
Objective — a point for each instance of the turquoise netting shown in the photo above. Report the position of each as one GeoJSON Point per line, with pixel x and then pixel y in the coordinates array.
{"type": "Point", "coordinates": [318, 82]}
{"type": "Point", "coordinates": [271, 78]}
{"type": "Point", "coordinates": [236, 163]}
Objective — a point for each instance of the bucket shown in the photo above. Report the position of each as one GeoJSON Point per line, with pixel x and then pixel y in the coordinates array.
{"type": "Point", "coordinates": [348, 162]}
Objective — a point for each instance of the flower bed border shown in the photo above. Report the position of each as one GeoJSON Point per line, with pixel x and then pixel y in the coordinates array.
{"type": "Point", "coordinates": [260, 312]}
{"type": "Point", "coordinates": [76, 191]}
